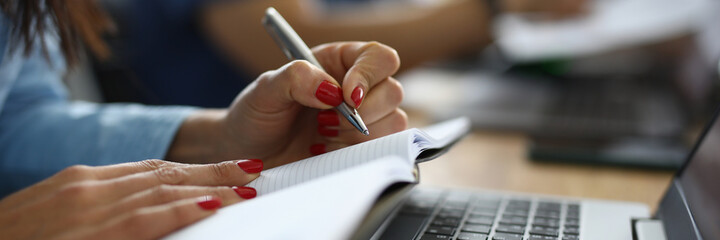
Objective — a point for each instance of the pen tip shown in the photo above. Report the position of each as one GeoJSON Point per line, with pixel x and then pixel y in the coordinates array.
{"type": "Point", "coordinates": [366, 132]}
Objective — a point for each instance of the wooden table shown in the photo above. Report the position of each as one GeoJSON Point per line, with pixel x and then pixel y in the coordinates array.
{"type": "Point", "coordinates": [498, 161]}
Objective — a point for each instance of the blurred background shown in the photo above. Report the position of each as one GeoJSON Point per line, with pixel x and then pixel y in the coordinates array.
{"type": "Point", "coordinates": [613, 82]}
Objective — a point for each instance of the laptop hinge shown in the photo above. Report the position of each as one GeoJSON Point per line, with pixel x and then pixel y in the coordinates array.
{"type": "Point", "coordinates": [648, 229]}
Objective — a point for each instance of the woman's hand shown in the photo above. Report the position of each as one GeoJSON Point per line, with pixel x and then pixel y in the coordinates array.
{"type": "Point", "coordinates": [139, 200]}
{"type": "Point", "coordinates": [287, 114]}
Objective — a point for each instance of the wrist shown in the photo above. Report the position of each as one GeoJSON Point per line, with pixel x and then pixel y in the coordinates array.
{"type": "Point", "coordinates": [203, 138]}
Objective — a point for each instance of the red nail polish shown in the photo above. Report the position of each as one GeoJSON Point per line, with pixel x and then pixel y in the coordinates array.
{"type": "Point", "coordinates": [328, 118]}
{"type": "Point", "coordinates": [357, 96]}
{"type": "Point", "coordinates": [329, 93]}
{"type": "Point", "coordinates": [209, 203]}
{"type": "Point", "coordinates": [328, 132]}
{"type": "Point", "coordinates": [245, 192]}
{"type": "Point", "coordinates": [317, 149]}
{"type": "Point", "coordinates": [251, 165]}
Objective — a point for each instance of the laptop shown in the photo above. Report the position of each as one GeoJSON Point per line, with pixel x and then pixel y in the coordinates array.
{"type": "Point", "coordinates": [690, 209]}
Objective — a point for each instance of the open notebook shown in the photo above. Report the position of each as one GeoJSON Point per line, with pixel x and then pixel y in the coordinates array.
{"type": "Point", "coordinates": [327, 196]}
{"type": "Point", "coordinates": [412, 145]}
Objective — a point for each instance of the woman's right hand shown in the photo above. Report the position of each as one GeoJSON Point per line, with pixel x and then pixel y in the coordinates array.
{"type": "Point", "coordinates": [139, 200]}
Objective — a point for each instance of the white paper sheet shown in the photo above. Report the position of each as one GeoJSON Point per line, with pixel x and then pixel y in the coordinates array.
{"type": "Point", "coordinates": [327, 208]}
{"type": "Point", "coordinates": [609, 25]}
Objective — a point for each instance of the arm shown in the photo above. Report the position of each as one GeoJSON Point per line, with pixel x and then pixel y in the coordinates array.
{"type": "Point", "coordinates": [418, 33]}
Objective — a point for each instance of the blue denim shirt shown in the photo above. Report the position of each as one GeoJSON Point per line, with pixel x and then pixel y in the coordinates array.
{"type": "Point", "coordinates": [42, 132]}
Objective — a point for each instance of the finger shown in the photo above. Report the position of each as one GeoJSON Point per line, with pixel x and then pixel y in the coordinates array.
{"type": "Point", "coordinates": [360, 65]}
{"type": "Point", "coordinates": [321, 148]}
{"type": "Point", "coordinates": [389, 124]}
{"type": "Point", "coordinates": [229, 173]}
{"type": "Point", "coordinates": [123, 169]}
{"type": "Point", "coordinates": [80, 173]}
{"type": "Point", "coordinates": [157, 221]}
{"type": "Point", "coordinates": [169, 193]}
{"type": "Point", "coordinates": [159, 195]}
{"type": "Point", "coordinates": [381, 101]}
{"type": "Point", "coordinates": [297, 82]}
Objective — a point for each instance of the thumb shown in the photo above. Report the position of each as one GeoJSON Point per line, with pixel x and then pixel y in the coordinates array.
{"type": "Point", "coordinates": [298, 82]}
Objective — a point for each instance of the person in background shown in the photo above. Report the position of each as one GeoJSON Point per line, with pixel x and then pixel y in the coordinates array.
{"type": "Point", "coordinates": [202, 53]}
{"type": "Point", "coordinates": [81, 149]}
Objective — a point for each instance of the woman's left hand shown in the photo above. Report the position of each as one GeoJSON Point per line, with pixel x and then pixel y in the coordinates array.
{"type": "Point", "coordinates": [287, 114]}
{"type": "Point", "coordinates": [136, 200]}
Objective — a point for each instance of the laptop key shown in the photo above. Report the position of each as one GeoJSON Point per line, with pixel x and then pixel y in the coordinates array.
{"type": "Point", "coordinates": [517, 212]}
{"type": "Point", "coordinates": [487, 203]}
{"type": "Point", "coordinates": [571, 231]}
{"type": "Point", "coordinates": [544, 231]}
{"type": "Point", "coordinates": [513, 220]}
{"type": "Point", "coordinates": [574, 207]}
{"type": "Point", "coordinates": [481, 220]}
{"type": "Point", "coordinates": [459, 196]}
{"type": "Point", "coordinates": [446, 221]}
{"type": "Point", "coordinates": [573, 215]}
{"type": "Point", "coordinates": [442, 230]}
{"type": "Point", "coordinates": [451, 213]}
{"type": "Point", "coordinates": [454, 205]}
{"type": "Point", "coordinates": [518, 204]}
{"type": "Point", "coordinates": [510, 229]}
{"type": "Point", "coordinates": [570, 237]}
{"type": "Point", "coordinates": [547, 214]}
{"type": "Point", "coordinates": [477, 228]}
{"type": "Point", "coordinates": [471, 236]}
{"type": "Point", "coordinates": [552, 206]}
{"type": "Point", "coordinates": [507, 236]}
{"type": "Point", "coordinates": [435, 237]}
{"type": "Point", "coordinates": [572, 223]}
{"type": "Point", "coordinates": [546, 222]}
{"type": "Point", "coordinates": [484, 211]}
{"type": "Point", "coordinates": [541, 237]}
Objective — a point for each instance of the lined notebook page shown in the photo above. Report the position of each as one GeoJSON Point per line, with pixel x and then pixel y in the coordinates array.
{"type": "Point", "coordinates": [398, 144]}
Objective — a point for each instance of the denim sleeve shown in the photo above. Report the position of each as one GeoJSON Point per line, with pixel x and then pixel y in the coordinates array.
{"type": "Point", "coordinates": [43, 139]}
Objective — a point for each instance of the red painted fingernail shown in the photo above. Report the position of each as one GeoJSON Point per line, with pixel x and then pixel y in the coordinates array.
{"type": "Point", "coordinates": [357, 96]}
{"type": "Point", "coordinates": [245, 192]}
{"type": "Point", "coordinates": [251, 165]}
{"type": "Point", "coordinates": [328, 118]}
{"type": "Point", "coordinates": [329, 93]}
{"type": "Point", "coordinates": [328, 132]}
{"type": "Point", "coordinates": [209, 203]}
{"type": "Point", "coordinates": [317, 149]}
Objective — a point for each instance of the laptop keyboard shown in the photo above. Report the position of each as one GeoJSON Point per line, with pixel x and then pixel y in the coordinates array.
{"type": "Point", "coordinates": [466, 216]}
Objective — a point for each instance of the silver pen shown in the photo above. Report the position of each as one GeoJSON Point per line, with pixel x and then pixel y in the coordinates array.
{"type": "Point", "coordinates": [295, 48]}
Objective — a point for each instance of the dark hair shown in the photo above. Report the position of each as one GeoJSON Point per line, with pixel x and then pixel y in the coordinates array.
{"type": "Point", "coordinates": [74, 21]}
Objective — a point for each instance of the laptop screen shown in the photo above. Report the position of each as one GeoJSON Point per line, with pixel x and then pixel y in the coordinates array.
{"type": "Point", "coordinates": [700, 181]}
